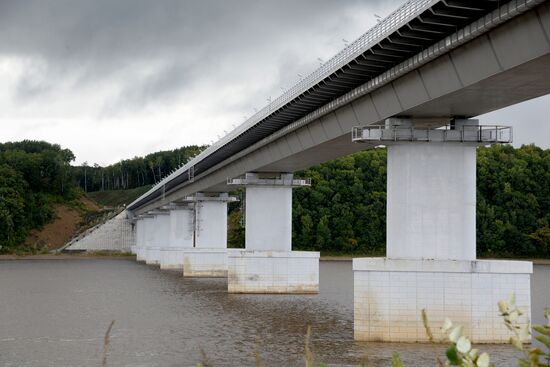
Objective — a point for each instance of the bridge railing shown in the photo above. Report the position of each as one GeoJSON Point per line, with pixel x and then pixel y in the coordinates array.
{"type": "Point", "coordinates": [297, 182]}
{"type": "Point", "coordinates": [385, 27]}
{"type": "Point", "coordinates": [486, 134]}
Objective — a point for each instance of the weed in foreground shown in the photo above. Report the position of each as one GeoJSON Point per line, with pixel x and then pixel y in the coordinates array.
{"type": "Point", "coordinates": [106, 342]}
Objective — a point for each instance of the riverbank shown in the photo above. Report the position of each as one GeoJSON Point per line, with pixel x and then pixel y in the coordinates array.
{"type": "Point", "coordinates": [66, 256]}
{"type": "Point", "coordinates": [115, 255]}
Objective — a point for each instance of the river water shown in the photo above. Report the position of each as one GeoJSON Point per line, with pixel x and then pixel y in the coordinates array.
{"type": "Point", "coordinates": [56, 313]}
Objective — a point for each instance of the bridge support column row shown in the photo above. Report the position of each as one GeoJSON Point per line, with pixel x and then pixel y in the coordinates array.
{"type": "Point", "coordinates": [193, 236]}
{"type": "Point", "coordinates": [431, 249]}
{"type": "Point", "coordinates": [268, 264]}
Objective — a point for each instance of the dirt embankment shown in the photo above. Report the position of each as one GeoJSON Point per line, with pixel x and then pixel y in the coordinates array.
{"type": "Point", "coordinates": [65, 225]}
{"type": "Point", "coordinates": [90, 204]}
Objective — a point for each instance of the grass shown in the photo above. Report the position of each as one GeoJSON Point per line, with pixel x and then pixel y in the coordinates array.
{"type": "Point", "coordinates": [114, 198]}
{"type": "Point", "coordinates": [105, 253]}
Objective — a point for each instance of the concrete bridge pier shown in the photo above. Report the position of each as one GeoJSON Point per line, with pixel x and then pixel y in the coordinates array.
{"type": "Point", "coordinates": [134, 246]}
{"type": "Point", "coordinates": [431, 240]}
{"type": "Point", "coordinates": [181, 236]}
{"type": "Point", "coordinates": [143, 237]}
{"type": "Point", "coordinates": [139, 227]}
{"type": "Point", "coordinates": [158, 230]}
{"type": "Point", "coordinates": [208, 257]}
{"type": "Point", "coordinates": [268, 264]}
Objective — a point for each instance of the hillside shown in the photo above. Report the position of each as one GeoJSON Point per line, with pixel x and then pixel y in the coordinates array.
{"type": "Point", "coordinates": [114, 198]}
{"type": "Point", "coordinates": [35, 180]}
{"type": "Point", "coordinates": [67, 221]}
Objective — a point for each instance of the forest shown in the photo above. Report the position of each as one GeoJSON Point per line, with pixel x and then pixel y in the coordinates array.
{"type": "Point", "coordinates": [135, 172]}
{"type": "Point", "coordinates": [344, 210]}
{"type": "Point", "coordinates": [342, 213]}
{"type": "Point", "coordinates": [33, 176]}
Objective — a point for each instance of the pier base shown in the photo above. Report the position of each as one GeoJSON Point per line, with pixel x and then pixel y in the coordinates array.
{"type": "Point", "coordinates": [273, 271]}
{"type": "Point", "coordinates": [209, 262]}
{"type": "Point", "coordinates": [152, 255]}
{"type": "Point", "coordinates": [140, 254]}
{"type": "Point", "coordinates": [390, 294]}
{"type": "Point", "coordinates": [171, 258]}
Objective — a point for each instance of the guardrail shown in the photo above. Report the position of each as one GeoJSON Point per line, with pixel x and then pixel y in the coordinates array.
{"type": "Point", "coordinates": [269, 182]}
{"type": "Point", "coordinates": [487, 134]}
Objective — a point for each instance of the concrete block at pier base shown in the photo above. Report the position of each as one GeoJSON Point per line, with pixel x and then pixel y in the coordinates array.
{"type": "Point", "coordinates": [152, 255]}
{"type": "Point", "coordinates": [171, 258]}
{"type": "Point", "coordinates": [201, 262]}
{"type": "Point", "coordinates": [140, 254]}
{"type": "Point", "coordinates": [389, 295]}
{"type": "Point", "coordinates": [273, 271]}
{"type": "Point", "coordinates": [133, 250]}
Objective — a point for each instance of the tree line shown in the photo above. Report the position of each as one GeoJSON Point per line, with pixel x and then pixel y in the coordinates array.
{"type": "Point", "coordinates": [34, 175]}
{"type": "Point", "coordinates": [345, 209]}
{"type": "Point", "coordinates": [135, 172]}
{"type": "Point", "coordinates": [343, 212]}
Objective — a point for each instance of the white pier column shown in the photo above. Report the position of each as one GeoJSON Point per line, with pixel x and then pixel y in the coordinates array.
{"type": "Point", "coordinates": [431, 201]}
{"type": "Point", "coordinates": [180, 237]}
{"type": "Point", "coordinates": [268, 264]}
{"type": "Point", "coordinates": [431, 242]}
{"type": "Point", "coordinates": [145, 236]}
{"type": "Point", "coordinates": [140, 243]}
{"type": "Point", "coordinates": [158, 233]}
{"type": "Point", "coordinates": [208, 257]}
{"type": "Point", "coordinates": [134, 246]}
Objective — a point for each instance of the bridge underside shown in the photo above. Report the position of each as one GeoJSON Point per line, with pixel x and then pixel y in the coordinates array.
{"type": "Point", "coordinates": [505, 66]}
{"type": "Point", "coordinates": [519, 84]}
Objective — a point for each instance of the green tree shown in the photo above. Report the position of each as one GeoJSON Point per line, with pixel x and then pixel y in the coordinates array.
{"type": "Point", "coordinates": [33, 175]}
{"type": "Point", "coordinates": [12, 207]}
{"type": "Point", "coordinates": [235, 237]}
{"type": "Point", "coordinates": [323, 233]}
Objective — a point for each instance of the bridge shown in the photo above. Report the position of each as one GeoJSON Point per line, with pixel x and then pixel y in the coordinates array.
{"type": "Point", "coordinates": [412, 83]}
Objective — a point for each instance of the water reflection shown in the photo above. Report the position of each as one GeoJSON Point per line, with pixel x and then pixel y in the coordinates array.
{"type": "Point", "coordinates": [55, 313]}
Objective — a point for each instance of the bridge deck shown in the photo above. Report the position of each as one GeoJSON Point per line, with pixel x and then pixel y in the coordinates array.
{"type": "Point", "coordinates": [406, 32]}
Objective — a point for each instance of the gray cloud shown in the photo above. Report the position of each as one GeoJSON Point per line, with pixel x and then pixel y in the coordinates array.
{"type": "Point", "coordinates": [162, 73]}
{"type": "Point", "coordinates": [94, 41]}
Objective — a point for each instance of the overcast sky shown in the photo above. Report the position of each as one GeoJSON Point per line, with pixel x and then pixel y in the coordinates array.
{"type": "Point", "coordinates": [117, 79]}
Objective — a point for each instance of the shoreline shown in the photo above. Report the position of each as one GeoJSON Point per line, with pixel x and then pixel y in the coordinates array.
{"type": "Point", "coordinates": [96, 256]}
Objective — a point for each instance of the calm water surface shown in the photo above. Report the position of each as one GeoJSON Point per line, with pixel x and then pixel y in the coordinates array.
{"type": "Point", "coordinates": [56, 312]}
